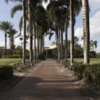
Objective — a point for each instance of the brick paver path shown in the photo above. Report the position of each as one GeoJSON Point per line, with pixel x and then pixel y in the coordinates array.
{"type": "Point", "coordinates": [46, 81]}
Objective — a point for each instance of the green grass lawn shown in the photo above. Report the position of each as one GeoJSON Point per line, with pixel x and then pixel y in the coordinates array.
{"type": "Point", "coordinates": [92, 60]}
{"type": "Point", "coordinates": [4, 61]}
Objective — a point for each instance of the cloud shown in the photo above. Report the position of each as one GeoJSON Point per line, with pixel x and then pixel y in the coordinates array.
{"type": "Point", "coordinates": [94, 5]}
{"type": "Point", "coordinates": [17, 41]}
{"type": "Point", "coordinates": [2, 43]}
{"type": "Point", "coordinates": [79, 32]}
{"type": "Point", "coordinates": [49, 42]}
{"type": "Point", "coordinates": [94, 27]}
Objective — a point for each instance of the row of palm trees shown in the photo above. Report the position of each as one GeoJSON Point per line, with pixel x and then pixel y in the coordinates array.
{"type": "Point", "coordinates": [9, 31]}
{"type": "Point", "coordinates": [35, 26]}
{"type": "Point", "coordinates": [63, 12]}
{"type": "Point", "coordinates": [58, 16]}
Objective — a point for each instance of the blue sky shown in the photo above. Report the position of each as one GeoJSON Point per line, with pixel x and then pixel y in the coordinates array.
{"type": "Point", "coordinates": [94, 22]}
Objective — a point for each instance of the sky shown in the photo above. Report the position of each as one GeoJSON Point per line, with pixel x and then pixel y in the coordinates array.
{"type": "Point", "coordinates": [5, 10]}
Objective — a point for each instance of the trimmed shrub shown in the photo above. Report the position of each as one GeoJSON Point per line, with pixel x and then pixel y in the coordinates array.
{"type": "Point", "coordinates": [66, 63]}
{"type": "Point", "coordinates": [92, 74]}
{"type": "Point", "coordinates": [6, 71]}
{"type": "Point", "coordinates": [12, 56]}
{"type": "Point", "coordinates": [41, 57]}
{"type": "Point", "coordinates": [79, 69]}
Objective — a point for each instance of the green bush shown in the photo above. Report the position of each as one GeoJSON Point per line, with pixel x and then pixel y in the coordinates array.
{"type": "Point", "coordinates": [66, 63]}
{"type": "Point", "coordinates": [79, 69]}
{"type": "Point", "coordinates": [41, 57]}
{"type": "Point", "coordinates": [93, 54]}
{"type": "Point", "coordinates": [92, 74]}
{"type": "Point", "coordinates": [6, 71]}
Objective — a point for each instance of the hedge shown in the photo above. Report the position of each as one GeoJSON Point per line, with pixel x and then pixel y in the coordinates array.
{"type": "Point", "coordinates": [90, 72]}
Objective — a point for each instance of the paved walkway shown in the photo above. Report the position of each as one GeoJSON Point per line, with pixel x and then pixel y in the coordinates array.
{"type": "Point", "coordinates": [46, 81]}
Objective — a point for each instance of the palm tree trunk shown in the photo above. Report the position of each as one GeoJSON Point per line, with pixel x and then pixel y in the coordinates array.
{"type": "Point", "coordinates": [24, 32]}
{"type": "Point", "coordinates": [66, 41]}
{"type": "Point", "coordinates": [37, 47]}
{"type": "Point", "coordinates": [5, 44]}
{"type": "Point", "coordinates": [61, 44]}
{"type": "Point", "coordinates": [58, 40]}
{"type": "Point", "coordinates": [42, 44]}
{"type": "Point", "coordinates": [34, 46]}
{"type": "Point", "coordinates": [31, 33]}
{"type": "Point", "coordinates": [71, 33]}
{"type": "Point", "coordinates": [86, 31]}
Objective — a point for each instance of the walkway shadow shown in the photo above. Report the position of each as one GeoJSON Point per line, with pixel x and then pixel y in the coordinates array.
{"type": "Point", "coordinates": [34, 88]}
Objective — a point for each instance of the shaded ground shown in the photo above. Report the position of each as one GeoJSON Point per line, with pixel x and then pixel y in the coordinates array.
{"type": "Point", "coordinates": [47, 81]}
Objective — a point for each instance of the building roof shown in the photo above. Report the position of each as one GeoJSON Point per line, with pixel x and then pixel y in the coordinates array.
{"type": "Point", "coordinates": [53, 46]}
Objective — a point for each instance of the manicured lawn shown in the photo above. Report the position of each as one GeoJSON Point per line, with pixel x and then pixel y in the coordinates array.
{"type": "Point", "coordinates": [92, 60]}
{"type": "Point", "coordinates": [4, 61]}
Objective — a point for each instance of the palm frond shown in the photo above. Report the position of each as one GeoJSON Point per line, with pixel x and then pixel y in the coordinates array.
{"type": "Point", "coordinates": [20, 23]}
{"type": "Point", "coordinates": [15, 9]}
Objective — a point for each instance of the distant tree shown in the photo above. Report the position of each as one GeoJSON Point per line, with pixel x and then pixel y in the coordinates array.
{"type": "Point", "coordinates": [5, 26]}
{"type": "Point", "coordinates": [93, 45]}
{"type": "Point", "coordinates": [11, 34]}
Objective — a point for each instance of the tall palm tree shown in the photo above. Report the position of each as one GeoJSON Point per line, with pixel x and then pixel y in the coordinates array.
{"type": "Point", "coordinates": [24, 30]}
{"type": "Point", "coordinates": [5, 26]}
{"type": "Point", "coordinates": [74, 11]}
{"type": "Point", "coordinates": [66, 36]}
{"type": "Point", "coordinates": [86, 30]}
{"type": "Point", "coordinates": [75, 7]}
{"type": "Point", "coordinates": [30, 31]}
{"type": "Point", "coordinates": [55, 12]}
{"type": "Point", "coordinates": [16, 8]}
{"type": "Point", "coordinates": [71, 32]}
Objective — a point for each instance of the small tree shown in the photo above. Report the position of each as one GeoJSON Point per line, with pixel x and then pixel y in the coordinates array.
{"type": "Point", "coordinates": [5, 26]}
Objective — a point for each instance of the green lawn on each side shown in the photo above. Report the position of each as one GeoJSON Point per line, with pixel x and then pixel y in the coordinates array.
{"type": "Point", "coordinates": [92, 60]}
{"type": "Point", "coordinates": [4, 61]}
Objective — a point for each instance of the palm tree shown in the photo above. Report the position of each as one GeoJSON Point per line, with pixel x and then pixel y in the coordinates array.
{"type": "Point", "coordinates": [11, 34]}
{"type": "Point", "coordinates": [56, 14]}
{"type": "Point", "coordinates": [93, 44]}
{"type": "Point", "coordinates": [5, 26]}
{"type": "Point", "coordinates": [71, 32]}
{"type": "Point", "coordinates": [66, 37]}
{"type": "Point", "coordinates": [24, 30]}
{"type": "Point", "coordinates": [29, 13]}
{"type": "Point", "coordinates": [86, 30]}
{"type": "Point", "coordinates": [30, 31]}
{"type": "Point", "coordinates": [75, 7]}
